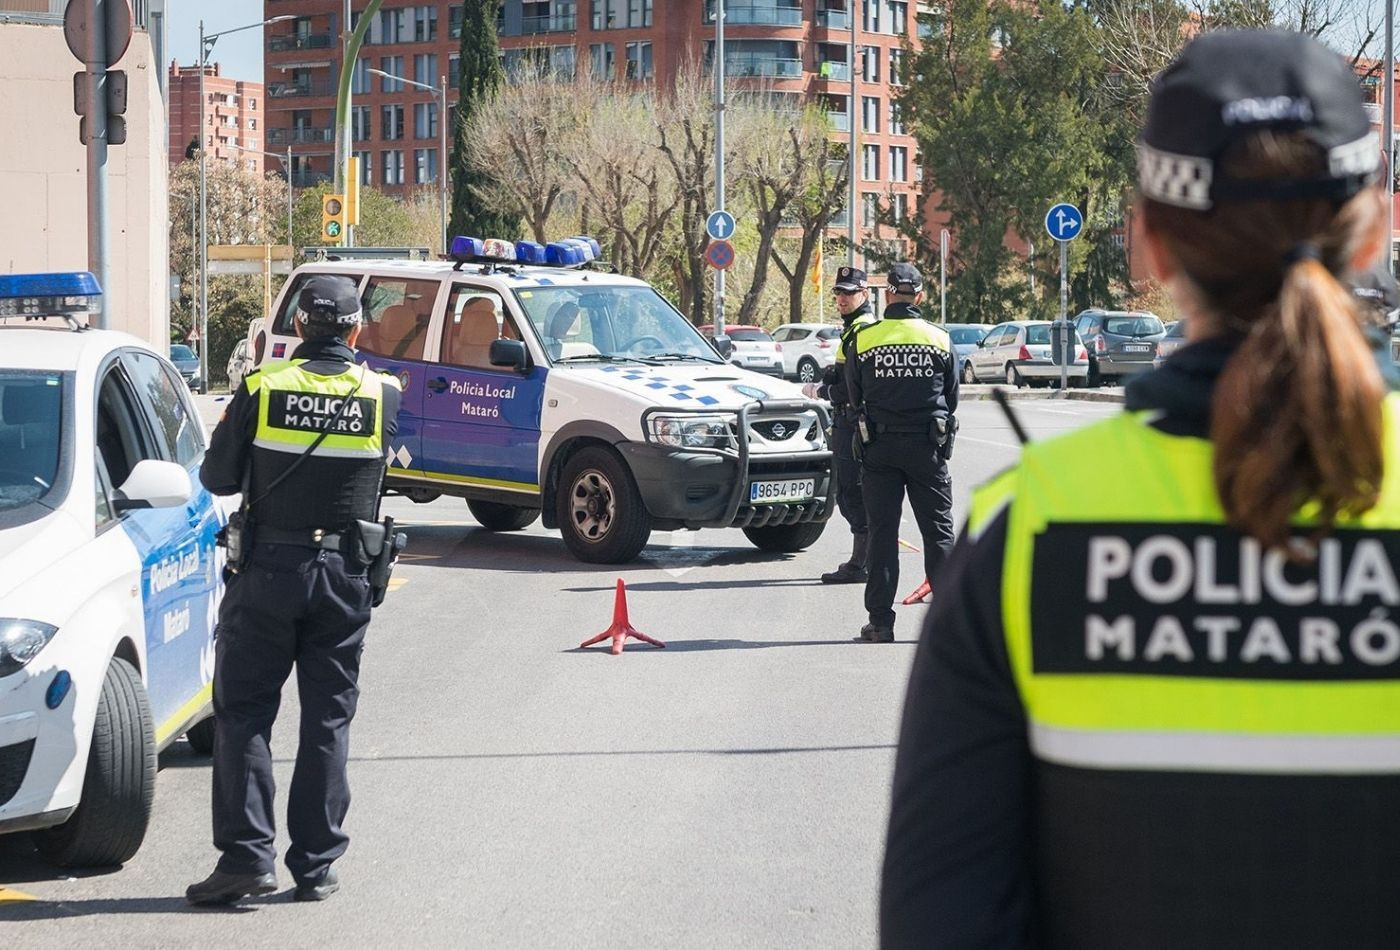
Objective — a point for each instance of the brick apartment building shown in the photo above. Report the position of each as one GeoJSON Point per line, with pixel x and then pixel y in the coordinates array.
{"type": "Point", "coordinates": [231, 119]}
{"type": "Point", "coordinates": [801, 48]}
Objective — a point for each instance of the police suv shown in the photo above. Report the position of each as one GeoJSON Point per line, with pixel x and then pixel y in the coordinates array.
{"type": "Point", "coordinates": [538, 383]}
{"type": "Point", "coordinates": [109, 576]}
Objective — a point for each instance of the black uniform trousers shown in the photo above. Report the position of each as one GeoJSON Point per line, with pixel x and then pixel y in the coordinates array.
{"type": "Point", "coordinates": [290, 606]}
{"type": "Point", "coordinates": [848, 491]}
{"type": "Point", "coordinates": [894, 463]}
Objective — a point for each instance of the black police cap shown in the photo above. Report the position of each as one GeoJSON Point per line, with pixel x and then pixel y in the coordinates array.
{"type": "Point", "coordinates": [329, 299]}
{"type": "Point", "coordinates": [904, 278]}
{"type": "Point", "coordinates": [1376, 289]}
{"type": "Point", "coordinates": [851, 278]}
{"type": "Point", "coordinates": [1232, 83]}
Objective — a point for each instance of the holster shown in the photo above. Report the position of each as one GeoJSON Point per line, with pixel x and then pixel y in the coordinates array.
{"type": "Point", "coordinates": [943, 432]}
{"type": "Point", "coordinates": [236, 538]}
{"type": "Point", "coordinates": [377, 545]}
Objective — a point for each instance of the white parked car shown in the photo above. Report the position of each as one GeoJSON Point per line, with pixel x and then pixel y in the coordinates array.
{"type": "Point", "coordinates": [752, 348]}
{"type": "Point", "coordinates": [109, 574]}
{"type": "Point", "coordinates": [807, 348]}
{"type": "Point", "coordinates": [1018, 353]}
{"type": "Point", "coordinates": [240, 361]}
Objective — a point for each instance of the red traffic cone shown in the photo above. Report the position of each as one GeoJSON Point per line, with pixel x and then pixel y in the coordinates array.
{"type": "Point", "coordinates": [621, 627]}
{"type": "Point", "coordinates": [921, 593]}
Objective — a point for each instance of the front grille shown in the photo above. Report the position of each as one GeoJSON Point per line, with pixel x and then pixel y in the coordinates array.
{"type": "Point", "coordinates": [775, 430]}
{"type": "Point", "coordinates": [14, 763]}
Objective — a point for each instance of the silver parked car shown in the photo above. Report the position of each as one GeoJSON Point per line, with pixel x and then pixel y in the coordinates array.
{"type": "Point", "coordinates": [965, 336]}
{"type": "Point", "coordinates": [1018, 353]}
{"type": "Point", "coordinates": [808, 348]}
{"type": "Point", "coordinates": [1120, 342]}
{"type": "Point", "coordinates": [239, 362]}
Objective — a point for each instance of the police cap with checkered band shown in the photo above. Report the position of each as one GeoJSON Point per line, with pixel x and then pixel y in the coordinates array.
{"type": "Point", "coordinates": [1230, 84]}
{"type": "Point", "coordinates": [330, 301]}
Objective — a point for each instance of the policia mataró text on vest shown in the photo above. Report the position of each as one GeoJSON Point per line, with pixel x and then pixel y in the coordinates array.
{"type": "Point", "coordinates": [304, 441]}
{"type": "Point", "coordinates": [903, 381]}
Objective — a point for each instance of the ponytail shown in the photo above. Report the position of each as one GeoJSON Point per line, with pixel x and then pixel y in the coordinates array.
{"type": "Point", "coordinates": [1296, 414]}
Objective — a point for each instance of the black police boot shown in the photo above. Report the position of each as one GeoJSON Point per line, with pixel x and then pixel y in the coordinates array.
{"type": "Point", "coordinates": [222, 888]}
{"type": "Point", "coordinates": [865, 632]}
{"type": "Point", "coordinates": [877, 634]}
{"type": "Point", "coordinates": [318, 890]}
{"type": "Point", "coordinates": [852, 571]}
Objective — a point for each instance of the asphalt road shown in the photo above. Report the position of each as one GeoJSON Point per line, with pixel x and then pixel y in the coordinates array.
{"type": "Point", "coordinates": [512, 790]}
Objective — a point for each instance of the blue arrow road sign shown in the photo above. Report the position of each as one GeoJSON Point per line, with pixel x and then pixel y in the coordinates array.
{"type": "Point", "coordinates": [1064, 222]}
{"type": "Point", "coordinates": [720, 225]}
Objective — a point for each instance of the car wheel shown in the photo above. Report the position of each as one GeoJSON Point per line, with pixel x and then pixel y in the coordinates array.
{"type": "Point", "coordinates": [119, 787]}
{"type": "Point", "coordinates": [494, 516]}
{"type": "Point", "coordinates": [1013, 378]}
{"type": "Point", "coordinates": [969, 375]}
{"type": "Point", "coordinates": [600, 511]}
{"type": "Point", "coordinates": [807, 370]}
{"type": "Point", "coordinates": [786, 538]}
{"type": "Point", "coordinates": [200, 736]}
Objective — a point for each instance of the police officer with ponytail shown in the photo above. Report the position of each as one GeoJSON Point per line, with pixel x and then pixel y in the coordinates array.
{"type": "Point", "coordinates": [1157, 700]}
{"type": "Point", "coordinates": [304, 441]}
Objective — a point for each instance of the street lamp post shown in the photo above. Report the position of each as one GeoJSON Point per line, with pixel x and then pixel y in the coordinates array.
{"type": "Point", "coordinates": [440, 93]}
{"type": "Point", "coordinates": [206, 45]}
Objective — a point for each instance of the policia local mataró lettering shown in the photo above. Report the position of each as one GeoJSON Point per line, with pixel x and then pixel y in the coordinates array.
{"type": "Point", "coordinates": [1198, 600]}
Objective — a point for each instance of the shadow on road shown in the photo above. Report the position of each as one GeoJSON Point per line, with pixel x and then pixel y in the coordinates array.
{"type": "Point", "coordinates": [696, 646]}
{"type": "Point", "coordinates": [610, 753]}
{"type": "Point", "coordinates": [61, 910]}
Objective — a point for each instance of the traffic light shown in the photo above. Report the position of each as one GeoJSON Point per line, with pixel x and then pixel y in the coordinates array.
{"type": "Point", "coordinates": [332, 218]}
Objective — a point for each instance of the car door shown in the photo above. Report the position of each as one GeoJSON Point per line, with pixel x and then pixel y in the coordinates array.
{"type": "Point", "coordinates": [175, 546]}
{"type": "Point", "coordinates": [985, 356]}
{"type": "Point", "coordinates": [398, 313]}
{"type": "Point", "coordinates": [786, 337]}
{"type": "Point", "coordinates": [481, 423]}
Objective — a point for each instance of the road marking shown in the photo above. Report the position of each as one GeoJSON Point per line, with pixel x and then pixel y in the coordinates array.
{"type": "Point", "coordinates": [420, 557]}
{"type": "Point", "coordinates": [910, 546]}
{"type": "Point", "coordinates": [396, 582]}
{"type": "Point", "coordinates": [9, 895]}
{"type": "Point", "coordinates": [1000, 445]}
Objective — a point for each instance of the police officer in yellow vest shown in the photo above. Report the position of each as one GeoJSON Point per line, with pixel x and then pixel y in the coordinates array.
{"type": "Point", "coordinates": [1157, 701]}
{"type": "Point", "coordinates": [302, 596]}
{"type": "Point", "coordinates": [903, 380]}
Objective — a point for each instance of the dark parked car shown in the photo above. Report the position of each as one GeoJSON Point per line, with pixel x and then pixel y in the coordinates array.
{"type": "Point", "coordinates": [965, 336]}
{"type": "Point", "coordinates": [1120, 342]}
{"type": "Point", "coordinates": [187, 362]}
{"type": "Point", "coordinates": [1173, 341]}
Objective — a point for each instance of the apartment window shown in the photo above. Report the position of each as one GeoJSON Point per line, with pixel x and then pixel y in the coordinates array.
{"type": "Point", "coordinates": [393, 167]}
{"type": "Point", "coordinates": [870, 162]}
{"type": "Point", "coordinates": [899, 17]}
{"type": "Point", "coordinates": [424, 24]}
{"type": "Point", "coordinates": [869, 209]}
{"type": "Point", "coordinates": [391, 122]}
{"type": "Point", "coordinates": [601, 56]}
{"type": "Point", "coordinates": [366, 172]}
{"type": "Point", "coordinates": [424, 165]}
{"type": "Point", "coordinates": [561, 62]}
{"type": "Point", "coordinates": [454, 69]}
{"type": "Point", "coordinates": [425, 69]}
{"type": "Point", "coordinates": [896, 67]}
{"type": "Point", "coordinates": [392, 27]}
{"type": "Point", "coordinates": [425, 119]}
{"type": "Point", "coordinates": [870, 64]}
{"type": "Point", "coordinates": [252, 143]}
{"type": "Point", "coordinates": [359, 123]}
{"type": "Point", "coordinates": [870, 114]}
{"type": "Point", "coordinates": [252, 124]}
{"type": "Point", "coordinates": [605, 14]}
{"type": "Point", "coordinates": [454, 20]}
{"type": "Point", "coordinates": [872, 15]}
{"type": "Point", "coordinates": [899, 163]}
{"type": "Point", "coordinates": [393, 65]}
{"type": "Point", "coordinates": [896, 118]}
{"type": "Point", "coordinates": [639, 61]}
{"type": "Point", "coordinates": [638, 13]}
{"type": "Point", "coordinates": [360, 80]}
{"type": "Point", "coordinates": [253, 105]}
{"type": "Point", "coordinates": [899, 207]}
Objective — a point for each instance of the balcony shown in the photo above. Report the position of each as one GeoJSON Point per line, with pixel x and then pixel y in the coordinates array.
{"type": "Point", "coordinates": [833, 71]}
{"type": "Point", "coordinates": [753, 66]}
{"type": "Point", "coordinates": [553, 23]}
{"type": "Point", "coordinates": [290, 90]}
{"type": "Point", "coordinates": [833, 20]}
{"type": "Point", "coordinates": [757, 14]}
{"type": "Point", "coordinates": [300, 136]}
{"type": "Point", "coordinates": [1374, 112]}
{"type": "Point", "coordinates": [840, 121]}
{"type": "Point", "coordinates": [280, 44]}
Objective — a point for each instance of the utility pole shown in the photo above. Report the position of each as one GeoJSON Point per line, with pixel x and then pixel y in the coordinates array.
{"type": "Point", "coordinates": [851, 202]}
{"type": "Point", "coordinates": [203, 218]}
{"type": "Point", "coordinates": [719, 153]}
{"type": "Point", "coordinates": [1388, 134]}
{"type": "Point", "coordinates": [442, 160]}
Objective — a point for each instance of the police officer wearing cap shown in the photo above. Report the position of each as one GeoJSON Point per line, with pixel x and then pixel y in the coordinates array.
{"type": "Point", "coordinates": [853, 303]}
{"type": "Point", "coordinates": [1157, 701]}
{"type": "Point", "coordinates": [304, 440]}
{"type": "Point", "coordinates": [1379, 301]}
{"type": "Point", "coordinates": [903, 380]}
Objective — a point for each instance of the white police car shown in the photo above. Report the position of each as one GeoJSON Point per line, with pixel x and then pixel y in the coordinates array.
{"type": "Point", "coordinates": [536, 382]}
{"type": "Point", "coordinates": [109, 578]}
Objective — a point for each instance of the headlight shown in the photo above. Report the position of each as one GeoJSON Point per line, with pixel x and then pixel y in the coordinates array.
{"type": "Point", "coordinates": [690, 431]}
{"type": "Point", "coordinates": [21, 641]}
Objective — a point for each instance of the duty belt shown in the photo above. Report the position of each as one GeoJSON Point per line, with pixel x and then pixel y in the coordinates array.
{"type": "Point", "coordinates": [903, 429]}
{"type": "Point", "coordinates": [316, 538]}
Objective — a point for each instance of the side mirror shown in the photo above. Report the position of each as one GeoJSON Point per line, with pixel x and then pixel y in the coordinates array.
{"type": "Point", "coordinates": [724, 346]}
{"type": "Point", "coordinates": [510, 353]}
{"type": "Point", "coordinates": [154, 484]}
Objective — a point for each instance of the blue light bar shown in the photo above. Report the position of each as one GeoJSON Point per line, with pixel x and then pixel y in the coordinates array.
{"type": "Point", "coordinates": [563, 254]}
{"type": "Point", "coordinates": [465, 248]}
{"type": "Point", "coordinates": [40, 295]}
{"type": "Point", "coordinates": [592, 245]}
{"type": "Point", "coordinates": [528, 252]}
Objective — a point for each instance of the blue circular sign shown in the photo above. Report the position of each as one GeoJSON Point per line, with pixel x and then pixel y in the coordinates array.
{"type": "Point", "coordinates": [720, 225]}
{"type": "Point", "coordinates": [1063, 222]}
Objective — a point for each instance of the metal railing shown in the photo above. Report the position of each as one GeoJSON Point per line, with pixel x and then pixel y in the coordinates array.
{"type": "Point", "coordinates": [834, 71]}
{"type": "Point", "coordinates": [758, 14]}
{"type": "Point", "coordinates": [300, 136]}
{"type": "Point", "coordinates": [833, 19]}
{"type": "Point", "coordinates": [288, 90]}
{"type": "Point", "coordinates": [280, 44]}
{"type": "Point", "coordinates": [741, 66]}
{"type": "Point", "coordinates": [553, 23]}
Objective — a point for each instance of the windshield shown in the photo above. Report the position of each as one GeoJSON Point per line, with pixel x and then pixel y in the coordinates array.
{"type": "Point", "coordinates": [1132, 326]}
{"type": "Point", "coordinates": [967, 334]}
{"type": "Point", "coordinates": [583, 324]}
{"type": "Point", "coordinates": [179, 351]}
{"type": "Point", "coordinates": [30, 426]}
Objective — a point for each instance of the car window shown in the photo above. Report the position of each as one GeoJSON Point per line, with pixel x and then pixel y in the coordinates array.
{"type": "Point", "coordinates": [476, 318]}
{"type": "Point", "coordinates": [996, 336]}
{"type": "Point", "coordinates": [965, 334]}
{"type": "Point", "coordinates": [1084, 323]}
{"type": "Point", "coordinates": [1038, 335]}
{"type": "Point", "coordinates": [178, 351]}
{"type": "Point", "coordinates": [283, 323]}
{"type": "Point", "coordinates": [611, 321]}
{"type": "Point", "coordinates": [30, 426]}
{"type": "Point", "coordinates": [176, 419]}
{"type": "Point", "coordinates": [1176, 331]}
{"type": "Point", "coordinates": [749, 334]}
{"type": "Point", "coordinates": [397, 311]}
{"type": "Point", "coordinates": [122, 439]}
{"type": "Point", "coordinates": [829, 333]}
{"type": "Point", "coordinates": [1132, 326]}
{"type": "Point", "coordinates": [783, 334]}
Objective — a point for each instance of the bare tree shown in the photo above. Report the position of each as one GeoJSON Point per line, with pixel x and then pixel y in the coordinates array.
{"type": "Point", "coordinates": [828, 172]}
{"type": "Point", "coordinates": [687, 140]}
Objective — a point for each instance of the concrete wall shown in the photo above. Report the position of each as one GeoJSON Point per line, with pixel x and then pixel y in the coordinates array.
{"type": "Point", "coordinates": [43, 176]}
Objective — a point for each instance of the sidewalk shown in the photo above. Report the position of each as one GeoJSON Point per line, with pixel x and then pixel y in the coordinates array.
{"type": "Point", "coordinates": [984, 391]}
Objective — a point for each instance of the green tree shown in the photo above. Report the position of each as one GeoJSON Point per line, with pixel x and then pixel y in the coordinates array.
{"type": "Point", "coordinates": [481, 76]}
{"type": "Point", "coordinates": [384, 221]}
